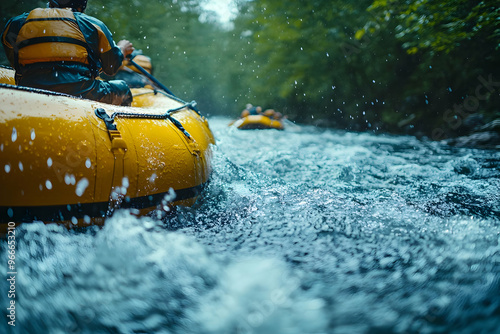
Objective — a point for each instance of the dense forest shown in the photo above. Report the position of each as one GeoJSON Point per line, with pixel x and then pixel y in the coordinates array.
{"type": "Point", "coordinates": [405, 66]}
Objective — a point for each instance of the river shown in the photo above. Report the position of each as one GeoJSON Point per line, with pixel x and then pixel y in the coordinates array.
{"type": "Point", "coordinates": [301, 231]}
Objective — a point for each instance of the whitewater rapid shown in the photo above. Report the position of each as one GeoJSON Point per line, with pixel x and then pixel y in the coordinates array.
{"type": "Point", "coordinates": [305, 230]}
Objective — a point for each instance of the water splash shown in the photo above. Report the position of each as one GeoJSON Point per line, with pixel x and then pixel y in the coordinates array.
{"type": "Point", "coordinates": [81, 186]}
{"type": "Point", "coordinates": [303, 230]}
{"type": "Point", "coordinates": [14, 134]}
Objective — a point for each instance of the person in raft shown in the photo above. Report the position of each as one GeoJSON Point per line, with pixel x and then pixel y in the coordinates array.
{"type": "Point", "coordinates": [132, 75]}
{"type": "Point", "coordinates": [251, 110]}
{"type": "Point", "coordinates": [61, 49]}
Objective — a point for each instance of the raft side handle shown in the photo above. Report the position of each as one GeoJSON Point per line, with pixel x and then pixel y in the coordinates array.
{"type": "Point", "coordinates": [108, 121]}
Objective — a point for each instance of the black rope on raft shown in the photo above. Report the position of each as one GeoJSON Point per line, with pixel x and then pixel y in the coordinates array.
{"type": "Point", "coordinates": [37, 90]}
{"type": "Point", "coordinates": [191, 105]}
{"type": "Point", "coordinates": [166, 115]}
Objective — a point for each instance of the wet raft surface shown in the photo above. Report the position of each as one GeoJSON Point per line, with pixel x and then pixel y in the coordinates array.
{"type": "Point", "coordinates": [310, 231]}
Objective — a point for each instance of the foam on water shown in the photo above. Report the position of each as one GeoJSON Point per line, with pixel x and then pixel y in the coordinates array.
{"type": "Point", "coordinates": [303, 231]}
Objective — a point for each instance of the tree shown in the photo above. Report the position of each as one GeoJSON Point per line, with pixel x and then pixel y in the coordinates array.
{"type": "Point", "coordinates": [453, 45]}
{"type": "Point", "coordinates": [392, 65]}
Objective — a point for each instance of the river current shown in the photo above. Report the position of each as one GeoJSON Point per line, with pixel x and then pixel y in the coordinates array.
{"type": "Point", "coordinates": [301, 231]}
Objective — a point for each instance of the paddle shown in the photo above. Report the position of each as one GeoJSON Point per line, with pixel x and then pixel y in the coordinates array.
{"type": "Point", "coordinates": [149, 76]}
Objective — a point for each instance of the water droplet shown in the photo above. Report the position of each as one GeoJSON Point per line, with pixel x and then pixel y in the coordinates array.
{"type": "Point", "coordinates": [86, 219]}
{"type": "Point", "coordinates": [14, 135]}
{"type": "Point", "coordinates": [153, 178]}
{"type": "Point", "coordinates": [88, 163]}
{"type": "Point", "coordinates": [10, 212]}
{"type": "Point", "coordinates": [49, 162]}
{"type": "Point", "coordinates": [33, 134]}
{"type": "Point", "coordinates": [69, 179]}
{"type": "Point", "coordinates": [125, 182]}
{"type": "Point", "coordinates": [81, 187]}
{"type": "Point", "coordinates": [74, 220]}
{"type": "Point", "coordinates": [21, 168]}
{"type": "Point", "coordinates": [48, 184]}
{"type": "Point", "coordinates": [7, 168]}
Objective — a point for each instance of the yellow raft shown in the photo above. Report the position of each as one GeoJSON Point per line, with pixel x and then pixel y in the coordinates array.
{"type": "Point", "coordinates": [74, 161]}
{"type": "Point", "coordinates": [252, 122]}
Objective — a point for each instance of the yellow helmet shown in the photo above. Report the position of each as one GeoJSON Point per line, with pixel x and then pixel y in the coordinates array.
{"type": "Point", "coordinates": [269, 112]}
{"type": "Point", "coordinates": [141, 60]}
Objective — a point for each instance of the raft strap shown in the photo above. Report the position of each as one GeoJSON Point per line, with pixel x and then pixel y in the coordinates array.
{"type": "Point", "coordinates": [118, 148]}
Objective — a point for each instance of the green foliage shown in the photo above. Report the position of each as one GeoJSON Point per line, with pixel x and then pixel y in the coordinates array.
{"type": "Point", "coordinates": [453, 45]}
{"type": "Point", "coordinates": [382, 64]}
{"type": "Point", "coordinates": [189, 56]}
{"type": "Point", "coordinates": [10, 8]}
{"type": "Point", "coordinates": [182, 47]}
{"type": "Point", "coordinates": [307, 58]}
{"type": "Point", "coordinates": [396, 65]}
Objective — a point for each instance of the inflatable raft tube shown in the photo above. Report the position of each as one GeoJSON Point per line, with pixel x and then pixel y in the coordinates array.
{"type": "Point", "coordinates": [74, 161]}
{"type": "Point", "coordinates": [252, 122]}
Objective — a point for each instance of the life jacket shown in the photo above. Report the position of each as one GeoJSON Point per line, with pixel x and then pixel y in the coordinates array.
{"type": "Point", "coordinates": [51, 35]}
{"type": "Point", "coordinates": [141, 60]}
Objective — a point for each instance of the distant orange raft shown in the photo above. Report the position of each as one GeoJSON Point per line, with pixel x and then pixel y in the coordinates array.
{"type": "Point", "coordinates": [252, 122]}
{"type": "Point", "coordinates": [74, 161]}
